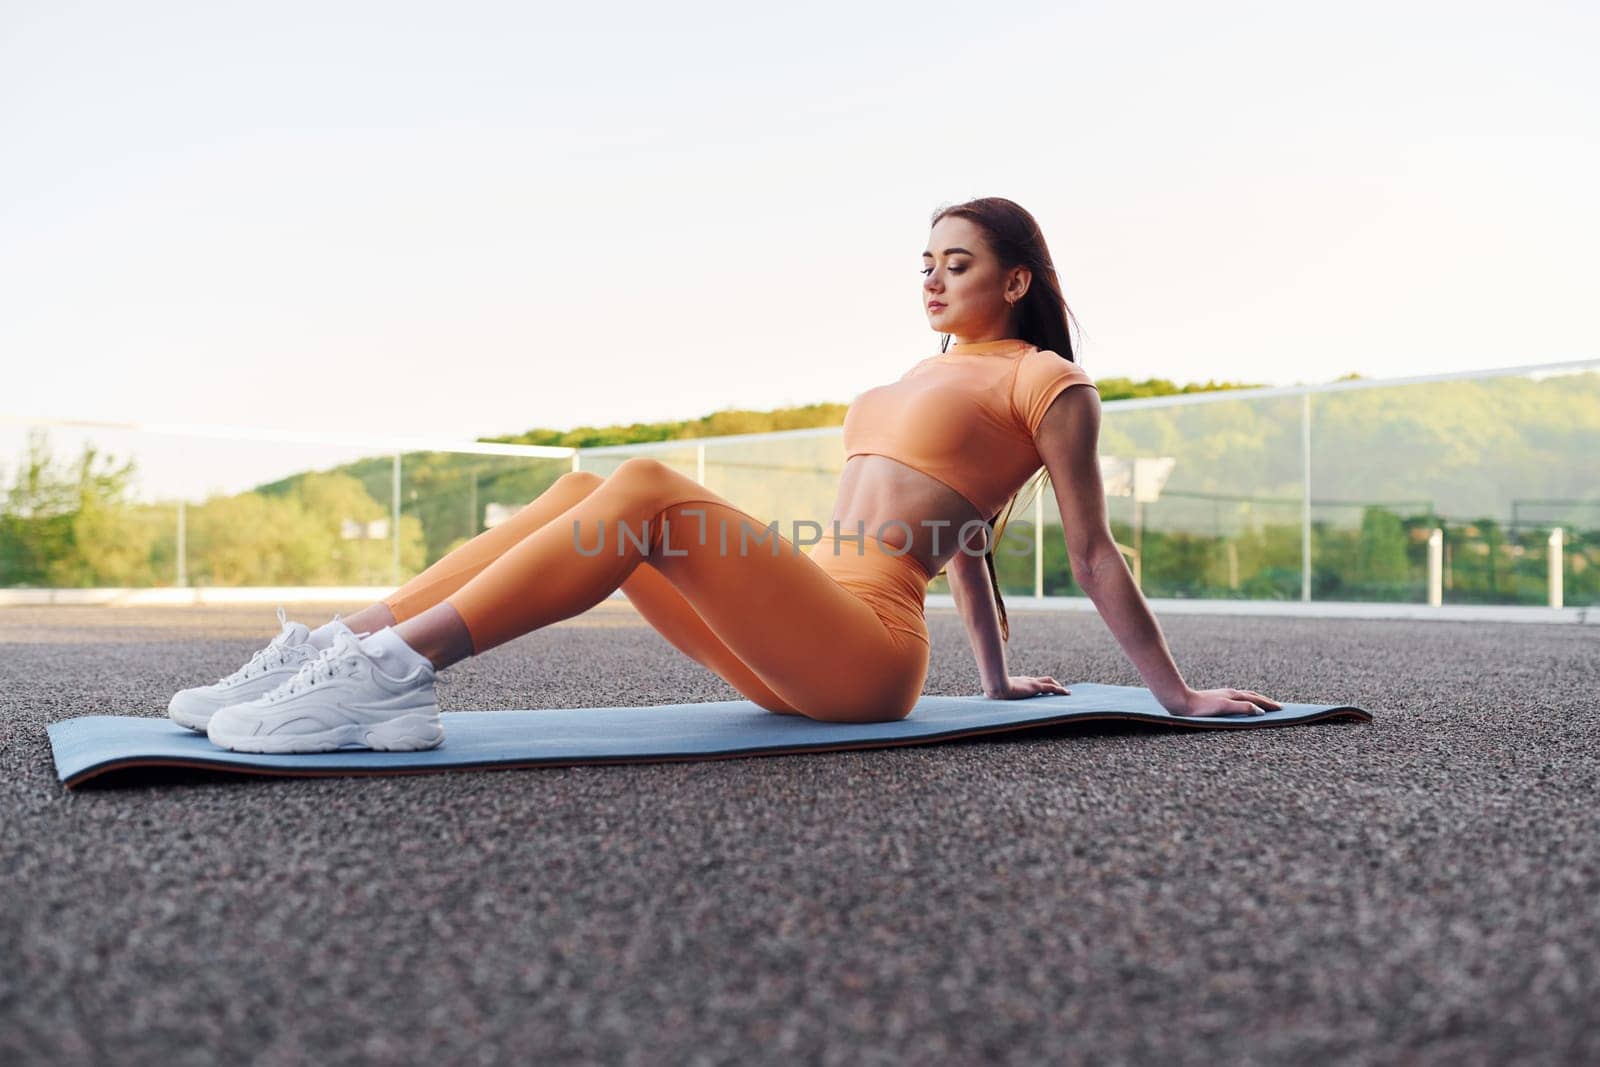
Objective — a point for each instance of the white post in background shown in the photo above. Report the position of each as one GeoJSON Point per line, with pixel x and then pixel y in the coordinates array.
{"type": "Point", "coordinates": [1436, 568]}
{"type": "Point", "coordinates": [183, 545]}
{"type": "Point", "coordinates": [1038, 540]}
{"type": "Point", "coordinates": [575, 456]}
{"type": "Point", "coordinates": [1305, 499]}
{"type": "Point", "coordinates": [1138, 533]}
{"type": "Point", "coordinates": [700, 463]}
{"type": "Point", "coordinates": [394, 517]}
{"type": "Point", "coordinates": [1555, 567]}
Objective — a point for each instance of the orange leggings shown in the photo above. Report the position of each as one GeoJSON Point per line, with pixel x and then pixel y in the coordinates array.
{"type": "Point", "coordinates": [838, 637]}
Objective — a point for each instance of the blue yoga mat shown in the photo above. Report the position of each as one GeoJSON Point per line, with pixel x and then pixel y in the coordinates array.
{"type": "Point", "coordinates": [477, 740]}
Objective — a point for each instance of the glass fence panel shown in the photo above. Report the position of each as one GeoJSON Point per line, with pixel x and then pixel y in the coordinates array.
{"type": "Point", "coordinates": [1494, 463]}
{"type": "Point", "coordinates": [789, 480]}
{"type": "Point", "coordinates": [128, 544]}
{"type": "Point", "coordinates": [1485, 563]}
{"type": "Point", "coordinates": [1056, 569]}
{"type": "Point", "coordinates": [104, 506]}
{"type": "Point", "coordinates": [85, 507]}
{"type": "Point", "coordinates": [1205, 500]}
{"type": "Point", "coordinates": [1578, 547]}
{"type": "Point", "coordinates": [1035, 523]}
{"type": "Point", "coordinates": [448, 498]}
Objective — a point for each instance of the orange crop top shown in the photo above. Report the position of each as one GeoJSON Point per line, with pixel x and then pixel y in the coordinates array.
{"type": "Point", "coordinates": [965, 417]}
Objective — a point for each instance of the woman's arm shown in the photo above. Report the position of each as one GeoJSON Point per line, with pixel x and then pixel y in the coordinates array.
{"type": "Point", "coordinates": [1068, 443]}
{"type": "Point", "coordinates": [1109, 584]}
{"type": "Point", "coordinates": [969, 587]}
{"type": "Point", "coordinates": [974, 597]}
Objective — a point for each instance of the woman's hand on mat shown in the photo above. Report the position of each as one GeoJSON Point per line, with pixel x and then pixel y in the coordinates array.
{"type": "Point", "coordinates": [1225, 702]}
{"type": "Point", "coordinates": [1017, 688]}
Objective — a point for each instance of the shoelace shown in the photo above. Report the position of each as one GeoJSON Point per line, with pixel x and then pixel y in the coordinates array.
{"type": "Point", "coordinates": [346, 648]}
{"type": "Point", "coordinates": [265, 659]}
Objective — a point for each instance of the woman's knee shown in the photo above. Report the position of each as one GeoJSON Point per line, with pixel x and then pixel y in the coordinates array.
{"type": "Point", "coordinates": [644, 469]}
{"type": "Point", "coordinates": [585, 480]}
{"type": "Point", "coordinates": [650, 482]}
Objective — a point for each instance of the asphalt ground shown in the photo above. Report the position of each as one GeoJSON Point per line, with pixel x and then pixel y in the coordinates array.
{"type": "Point", "coordinates": [1421, 889]}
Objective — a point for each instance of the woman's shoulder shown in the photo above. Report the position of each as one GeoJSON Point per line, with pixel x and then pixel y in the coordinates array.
{"type": "Point", "coordinates": [1044, 362]}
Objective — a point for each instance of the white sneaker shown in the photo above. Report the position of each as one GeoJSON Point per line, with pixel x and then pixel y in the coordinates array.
{"type": "Point", "coordinates": [267, 669]}
{"type": "Point", "coordinates": [341, 698]}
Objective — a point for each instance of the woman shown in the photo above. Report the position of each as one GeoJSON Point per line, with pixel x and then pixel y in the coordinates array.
{"type": "Point", "coordinates": [932, 462]}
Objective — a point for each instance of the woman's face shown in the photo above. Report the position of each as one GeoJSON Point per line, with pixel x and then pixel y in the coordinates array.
{"type": "Point", "coordinates": [964, 289]}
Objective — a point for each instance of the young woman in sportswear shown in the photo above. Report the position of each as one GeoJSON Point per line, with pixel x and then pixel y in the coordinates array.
{"type": "Point", "coordinates": [933, 462]}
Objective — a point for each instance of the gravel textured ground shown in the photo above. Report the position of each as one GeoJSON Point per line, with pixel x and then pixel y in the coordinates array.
{"type": "Point", "coordinates": [1424, 888]}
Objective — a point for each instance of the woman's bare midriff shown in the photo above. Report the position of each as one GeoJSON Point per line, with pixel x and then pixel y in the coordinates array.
{"type": "Point", "coordinates": [887, 498]}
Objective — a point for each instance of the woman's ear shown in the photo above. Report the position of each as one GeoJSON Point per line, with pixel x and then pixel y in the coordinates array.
{"type": "Point", "coordinates": [1017, 283]}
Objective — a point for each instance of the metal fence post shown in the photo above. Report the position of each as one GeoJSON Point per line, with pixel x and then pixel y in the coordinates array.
{"type": "Point", "coordinates": [394, 517]}
{"type": "Point", "coordinates": [1436, 568]}
{"type": "Point", "coordinates": [1038, 540]}
{"type": "Point", "coordinates": [1555, 567]}
{"type": "Point", "coordinates": [183, 545]}
{"type": "Point", "coordinates": [1305, 499]}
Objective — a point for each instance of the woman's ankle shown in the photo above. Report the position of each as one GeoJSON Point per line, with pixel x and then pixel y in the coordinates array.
{"type": "Point", "coordinates": [440, 634]}
{"type": "Point", "coordinates": [370, 619]}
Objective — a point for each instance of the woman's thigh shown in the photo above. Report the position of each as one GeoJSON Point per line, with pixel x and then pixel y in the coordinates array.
{"type": "Point", "coordinates": [810, 640]}
{"type": "Point", "coordinates": [671, 615]}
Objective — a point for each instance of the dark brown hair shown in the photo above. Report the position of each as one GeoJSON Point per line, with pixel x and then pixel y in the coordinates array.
{"type": "Point", "coordinates": [1042, 320]}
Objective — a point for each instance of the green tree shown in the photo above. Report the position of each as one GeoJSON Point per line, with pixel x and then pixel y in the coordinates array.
{"type": "Point", "coordinates": [297, 537]}
{"type": "Point", "coordinates": [1382, 557]}
{"type": "Point", "coordinates": [71, 525]}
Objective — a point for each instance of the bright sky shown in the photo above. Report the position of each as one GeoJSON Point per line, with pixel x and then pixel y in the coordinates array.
{"type": "Point", "coordinates": [477, 217]}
